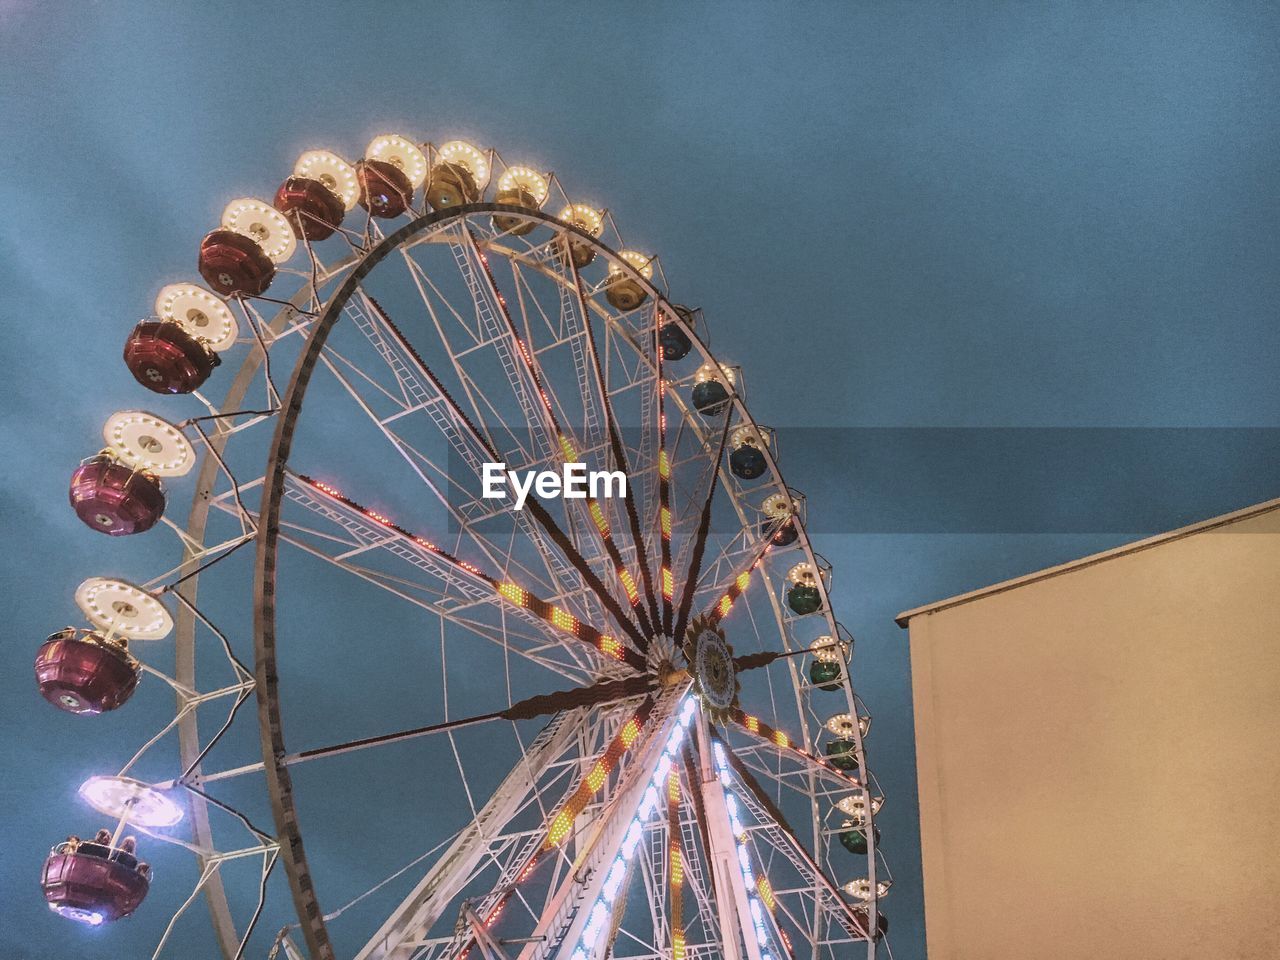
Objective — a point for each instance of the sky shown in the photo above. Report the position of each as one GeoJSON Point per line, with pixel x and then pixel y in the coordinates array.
{"type": "Point", "coordinates": [969, 218]}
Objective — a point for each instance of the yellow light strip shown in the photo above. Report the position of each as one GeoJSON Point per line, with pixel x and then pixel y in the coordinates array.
{"type": "Point", "coordinates": [596, 778]}
{"type": "Point", "coordinates": [629, 585]}
{"type": "Point", "coordinates": [598, 516]}
{"type": "Point", "coordinates": [611, 647]}
{"type": "Point", "coordinates": [766, 892]}
{"type": "Point", "coordinates": [566, 447]}
{"type": "Point", "coordinates": [676, 867]}
{"type": "Point", "coordinates": [737, 589]}
{"type": "Point", "coordinates": [561, 824]}
{"type": "Point", "coordinates": [563, 620]}
{"type": "Point", "coordinates": [516, 594]}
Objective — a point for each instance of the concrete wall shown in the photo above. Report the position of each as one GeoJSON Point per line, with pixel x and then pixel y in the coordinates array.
{"type": "Point", "coordinates": [1099, 754]}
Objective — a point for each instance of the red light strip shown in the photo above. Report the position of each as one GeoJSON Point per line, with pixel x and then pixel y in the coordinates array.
{"type": "Point", "coordinates": [491, 919]}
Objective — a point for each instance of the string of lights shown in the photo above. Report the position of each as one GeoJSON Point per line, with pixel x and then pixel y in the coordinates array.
{"type": "Point", "coordinates": [599, 918]}
{"type": "Point", "coordinates": [755, 898]}
{"type": "Point", "coordinates": [562, 822]}
{"type": "Point", "coordinates": [513, 593]}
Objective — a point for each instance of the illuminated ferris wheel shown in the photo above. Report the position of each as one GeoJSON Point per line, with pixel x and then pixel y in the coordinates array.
{"type": "Point", "coordinates": [602, 725]}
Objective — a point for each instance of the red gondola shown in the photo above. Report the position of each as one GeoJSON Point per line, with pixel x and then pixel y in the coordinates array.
{"type": "Point", "coordinates": [234, 264]}
{"type": "Point", "coordinates": [165, 358]}
{"type": "Point", "coordinates": [81, 672]}
{"type": "Point", "coordinates": [92, 882]}
{"type": "Point", "coordinates": [312, 209]}
{"type": "Point", "coordinates": [115, 499]}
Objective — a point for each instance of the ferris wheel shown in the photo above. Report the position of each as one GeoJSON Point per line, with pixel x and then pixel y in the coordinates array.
{"type": "Point", "coordinates": [615, 723]}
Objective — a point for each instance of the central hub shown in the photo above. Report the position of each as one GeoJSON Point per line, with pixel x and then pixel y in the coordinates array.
{"type": "Point", "coordinates": [710, 662]}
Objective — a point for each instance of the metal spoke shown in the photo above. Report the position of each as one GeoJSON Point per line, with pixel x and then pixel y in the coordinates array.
{"type": "Point", "coordinates": [477, 583]}
{"type": "Point", "coordinates": [425, 392]}
{"type": "Point", "coordinates": [720, 609]}
{"type": "Point", "coordinates": [609, 691]}
{"type": "Point", "coordinates": [476, 448]}
{"type": "Point", "coordinates": [615, 436]}
{"type": "Point", "coordinates": [455, 867]}
{"type": "Point", "coordinates": [567, 923]}
{"type": "Point", "coordinates": [785, 840]}
{"type": "Point", "coordinates": [700, 540]}
{"type": "Point", "coordinates": [780, 741]}
{"type": "Point", "coordinates": [567, 448]}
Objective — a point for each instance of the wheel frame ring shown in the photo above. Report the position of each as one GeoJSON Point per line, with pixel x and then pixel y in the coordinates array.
{"type": "Point", "coordinates": [271, 728]}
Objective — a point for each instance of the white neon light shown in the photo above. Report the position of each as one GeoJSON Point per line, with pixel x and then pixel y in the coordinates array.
{"type": "Point", "coordinates": [734, 809]}
{"type": "Point", "coordinates": [598, 918]}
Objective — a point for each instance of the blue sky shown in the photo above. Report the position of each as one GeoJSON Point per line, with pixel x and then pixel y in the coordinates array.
{"type": "Point", "coordinates": [897, 215]}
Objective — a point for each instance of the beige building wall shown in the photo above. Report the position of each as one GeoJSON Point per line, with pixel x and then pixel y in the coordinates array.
{"type": "Point", "coordinates": [1098, 751]}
